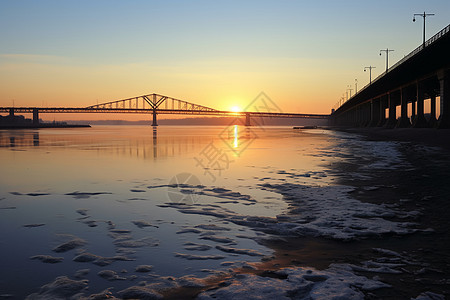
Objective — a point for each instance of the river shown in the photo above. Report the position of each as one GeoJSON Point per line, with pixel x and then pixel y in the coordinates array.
{"type": "Point", "coordinates": [220, 212]}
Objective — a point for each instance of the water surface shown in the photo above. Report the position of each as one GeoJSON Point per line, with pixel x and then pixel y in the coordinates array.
{"type": "Point", "coordinates": [189, 201]}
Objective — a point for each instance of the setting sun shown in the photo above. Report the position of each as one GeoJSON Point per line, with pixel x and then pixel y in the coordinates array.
{"type": "Point", "coordinates": [235, 108]}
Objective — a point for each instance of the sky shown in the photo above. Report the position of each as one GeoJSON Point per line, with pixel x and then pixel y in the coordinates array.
{"type": "Point", "coordinates": [304, 55]}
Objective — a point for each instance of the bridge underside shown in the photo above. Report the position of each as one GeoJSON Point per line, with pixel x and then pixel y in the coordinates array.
{"type": "Point", "coordinates": [397, 99]}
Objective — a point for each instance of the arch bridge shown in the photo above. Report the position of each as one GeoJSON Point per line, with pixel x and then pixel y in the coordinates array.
{"type": "Point", "coordinates": [153, 104]}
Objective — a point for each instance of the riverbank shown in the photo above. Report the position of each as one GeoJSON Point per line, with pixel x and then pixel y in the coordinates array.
{"type": "Point", "coordinates": [426, 136]}
{"type": "Point", "coordinates": [50, 125]}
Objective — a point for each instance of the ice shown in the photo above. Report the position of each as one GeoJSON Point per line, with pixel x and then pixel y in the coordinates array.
{"type": "Point", "coordinates": [82, 211]}
{"type": "Point", "coordinates": [188, 230]}
{"type": "Point", "coordinates": [29, 194]}
{"type": "Point", "coordinates": [329, 211]}
{"type": "Point", "coordinates": [48, 258]}
{"type": "Point", "coordinates": [239, 251]}
{"type": "Point", "coordinates": [386, 251]}
{"type": "Point", "coordinates": [140, 292]}
{"type": "Point", "coordinates": [144, 268]}
{"type": "Point", "coordinates": [148, 241]}
{"type": "Point", "coordinates": [61, 288]}
{"type": "Point", "coordinates": [33, 225]}
{"type": "Point", "coordinates": [219, 239]}
{"type": "Point", "coordinates": [198, 257]}
{"type": "Point", "coordinates": [85, 195]}
{"type": "Point", "coordinates": [196, 247]}
{"type": "Point", "coordinates": [81, 273]}
{"type": "Point", "coordinates": [69, 245]}
{"type": "Point", "coordinates": [143, 223]}
{"type": "Point", "coordinates": [99, 260]}
{"type": "Point", "coordinates": [430, 296]}
{"type": "Point", "coordinates": [295, 283]}
{"type": "Point", "coordinates": [110, 275]}
{"type": "Point", "coordinates": [212, 227]}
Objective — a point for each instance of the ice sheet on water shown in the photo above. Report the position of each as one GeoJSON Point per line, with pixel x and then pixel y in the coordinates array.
{"type": "Point", "coordinates": [72, 243]}
{"type": "Point", "coordinates": [299, 283]}
{"type": "Point", "coordinates": [330, 211]}
{"type": "Point", "coordinates": [61, 288]}
{"type": "Point", "coordinates": [48, 259]}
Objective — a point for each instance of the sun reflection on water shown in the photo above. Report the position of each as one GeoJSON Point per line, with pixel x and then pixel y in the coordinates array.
{"type": "Point", "coordinates": [236, 137]}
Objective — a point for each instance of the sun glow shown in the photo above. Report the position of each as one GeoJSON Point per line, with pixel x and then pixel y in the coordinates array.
{"type": "Point", "coordinates": [235, 108]}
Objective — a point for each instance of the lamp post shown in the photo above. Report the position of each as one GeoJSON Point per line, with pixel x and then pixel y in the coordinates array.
{"type": "Point", "coordinates": [370, 73]}
{"type": "Point", "coordinates": [349, 89]}
{"type": "Point", "coordinates": [424, 15]}
{"type": "Point", "coordinates": [387, 57]}
{"type": "Point", "coordinates": [356, 86]}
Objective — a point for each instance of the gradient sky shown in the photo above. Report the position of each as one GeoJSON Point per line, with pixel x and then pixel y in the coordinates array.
{"type": "Point", "coordinates": [302, 54]}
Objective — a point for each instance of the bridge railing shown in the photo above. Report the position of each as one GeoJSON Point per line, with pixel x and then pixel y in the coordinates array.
{"type": "Point", "coordinates": [430, 41]}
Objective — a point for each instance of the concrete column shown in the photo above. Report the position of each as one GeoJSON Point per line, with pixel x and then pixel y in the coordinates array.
{"type": "Point", "coordinates": [382, 118]}
{"type": "Point", "coordinates": [11, 112]}
{"type": "Point", "coordinates": [403, 122]}
{"type": "Point", "coordinates": [413, 109]}
{"type": "Point", "coordinates": [155, 123]}
{"type": "Point", "coordinates": [35, 116]}
{"type": "Point", "coordinates": [391, 122]}
{"type": "Point", "coordinates": [247, 119]}
{"type": "Point", "coordinates": [419, 120]}
{"type": "Point", "coordinates": [374, 113]}
{"type": "Point", "coordinates": [444, 81]}
{"type": "Point", "coordinates": [432, 122]}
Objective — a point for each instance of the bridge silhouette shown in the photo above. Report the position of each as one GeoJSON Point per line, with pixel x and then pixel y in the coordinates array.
{"type": "Point", "coordinates": [421, 75]}
{"type": "Point", "coordinates": [155, 104]}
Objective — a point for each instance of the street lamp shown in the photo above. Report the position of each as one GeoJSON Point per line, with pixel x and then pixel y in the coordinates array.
{"type": "Point", "coordinates": [387, 57]}
{"type": "Point", "coordinates": [424, 15]}
{"type": "Point", "coordinates": [349, 88]}
{"type": "Point", "coordinates": [356, 86]}
{"type": "Point", "coordinates": [370, 73]}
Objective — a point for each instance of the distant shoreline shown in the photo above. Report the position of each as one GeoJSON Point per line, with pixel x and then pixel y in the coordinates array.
{"type": "Point", "coordinates": [44, 126]}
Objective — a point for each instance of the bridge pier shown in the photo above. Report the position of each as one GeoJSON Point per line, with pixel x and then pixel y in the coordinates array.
{"type": "Point", "coordinates": [391, 122]}
{"type": "Point", "coordinates": [247, 119]}
{"type": "Point", "coordinates": [432, 122]}
{"type": "Point", "coordinates": [444, 82]}
{"type": "Point", "coordinates": [374, 113]}
{"type": "Point", "coordinates": [383, 106]}
{"type": "Point", "coordinates": [35, 116]}
{"type": "Point", "coordinates": [155, 122]}
{"type": "Point", "coordinates": [419, 120]}
{"type": "Point", "coordinates": [11, 112]}
{"type": "Point", "coordinates": [403, 121]}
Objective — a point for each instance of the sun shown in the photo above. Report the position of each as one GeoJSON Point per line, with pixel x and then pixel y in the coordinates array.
{"type": "Point", "coordinates": [235, 108]}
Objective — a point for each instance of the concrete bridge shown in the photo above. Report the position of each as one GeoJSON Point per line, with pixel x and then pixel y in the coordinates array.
{"type": "Point", "coordinates": [396, 98]}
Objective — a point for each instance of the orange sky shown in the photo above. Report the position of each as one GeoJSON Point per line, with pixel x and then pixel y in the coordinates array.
{"type": "Point", "coordinates": [304, 56]}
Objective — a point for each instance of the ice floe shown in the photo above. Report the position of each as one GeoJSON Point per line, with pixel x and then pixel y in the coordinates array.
{"type": "Point", "coordinates": [198, 257]}
{"type": "Point", "coordinates": [143, 223]}
{"type": "Point", "coordinates": [84, 195]}
{"type": "Point", "coordinates": [249, 252]}
{"type": "Point", "coordinates": [110, 275]}
{"type": "Point", "coordinates": [144, 268]}
{"type": "Point", "coordinates": [99, 260]}
{"type": "Point", "coordinates": [196, 247]}
{"type": "Point", "coordinates": [61, 288]}
{"type": "Point", "coordinates": [73, 243]}
{"type": "Point", "coordinates": [295, 283]}
{"type": "Point", "coordinates": [48, 258]}
{"type": "Point", "coordinates": [33, 225]}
